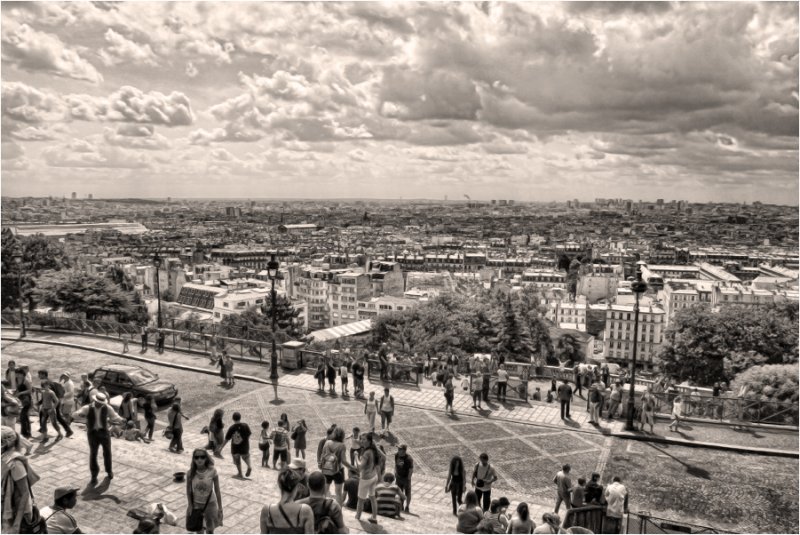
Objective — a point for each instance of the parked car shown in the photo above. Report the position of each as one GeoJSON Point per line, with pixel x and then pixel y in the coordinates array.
{"type": "Point", "coordinates": [121, 378]}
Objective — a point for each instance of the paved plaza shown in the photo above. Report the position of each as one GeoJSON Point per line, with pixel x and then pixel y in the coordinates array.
{"type": "Point", "coordinates": [527, 445]}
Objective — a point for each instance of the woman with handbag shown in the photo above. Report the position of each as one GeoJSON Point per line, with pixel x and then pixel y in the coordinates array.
{"type": "Point", "coordinates": [203, 494]}
{"type": "Point", "coordinates": [216, 435]}
{"type": "Point", "coordinates": [20, 514]}
{"type": "Point", "coordinates": [299, 437]}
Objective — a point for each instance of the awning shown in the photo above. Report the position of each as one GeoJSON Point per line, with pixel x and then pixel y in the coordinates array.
{"type": "Point", "coordinates": [349, 329]}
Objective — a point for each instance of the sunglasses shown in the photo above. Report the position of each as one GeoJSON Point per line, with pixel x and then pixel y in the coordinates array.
{"type": "Point", "coordinates": [201, 456]}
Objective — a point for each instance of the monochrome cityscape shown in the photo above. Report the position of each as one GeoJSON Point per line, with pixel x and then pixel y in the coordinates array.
{"type": "Point", "coordinates": [442, 267]}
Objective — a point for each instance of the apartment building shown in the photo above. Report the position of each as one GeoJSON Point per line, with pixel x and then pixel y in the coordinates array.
{"type": "Point", "coordinates": [546, 278]}
{"type": "Point", "coordinates": [619, 334]}
{"type": "Point", "coordinates": [567, 314]}
{"type": "Point", "coordinates": [378, 306]}
{"type": "Point", "coordinates": [344, 292]}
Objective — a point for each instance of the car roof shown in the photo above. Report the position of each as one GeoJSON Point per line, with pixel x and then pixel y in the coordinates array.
{"type": "Point", "coordinates": [120, 368]}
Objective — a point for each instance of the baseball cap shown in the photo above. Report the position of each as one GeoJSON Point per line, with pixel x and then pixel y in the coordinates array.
{"type": "Point", "coordinates": [297, 464]}
{"type": "Point", "coordinates": [60, 492]}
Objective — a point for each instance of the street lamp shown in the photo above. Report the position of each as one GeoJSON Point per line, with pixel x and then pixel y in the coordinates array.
{"type": "Point", "coordinates": [638, 287]}
{"type": "Point", "coordinates": [157, 264]}
{"type": "Point", "coordinates": [17, 255]}
{"type": "Point", "coordinates": [272, 271]}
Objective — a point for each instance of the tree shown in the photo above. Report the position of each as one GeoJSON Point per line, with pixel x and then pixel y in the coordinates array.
{"type": "Point", "coordinates": [73, 290]}
{"type": "Point", "coordinates": [38, 254]}
{"type": "Point", "coordinates": [568, 349]}
{"type": "Point", "coordinates": [255, 323]}
{"type": "Point", "coordinates": [771, 382]}
{"type": "Point", "coordinates": [513, 338]}
{"type": "Point", "coordinates": [572, 277]}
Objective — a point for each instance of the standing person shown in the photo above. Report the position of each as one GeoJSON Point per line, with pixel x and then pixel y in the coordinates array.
{"type": "Point", "coordinates": [368, 477]}
{"type": "Point", "coordinates": [449, 395]}
{"type": "Point", "coordinates": [502, 382]}
{"type": "Point", "coordinates": [216, 432]}
{"type": "Point", "coordinates": [149, 409]}
{"type": "Point", "coordinates": [330, 371]}
{"type": "Point", "coordinates": [333, 461]}
{"type": "Point", "coordinates": [239, 436]}
{"type": "Point", "coordinates": [487, 381]}
{"type": "Point", "coordinates": [60, 392]}
{"type": "Point", "coordinates": [605, 374]}
{"type": "Point", "coordinates": [383, 361]}
{"type": "Point", "coordinates": [578, 494]}
{"type": "Point", "coordinates": [358, 378]}
{"type": "Point", "coordinates": [456, 482]}
{"type": "Point", "coordinates": [328, 516]}
{"type": "Point", "coordinates": [160, 341]}
{"type": "Point", "coordinates": [477, 391]}
{"type": "Point", "coordinates": [26, 402]}
{"type": "Point", "coordinates": [578, 380]}
{"type": "Point", "coordinates": [648, 410]}
{"type": "Point", "coordinates": [229, 370]}
{"type": "Point", "coordinates": [386, 408]}
{"type": "Point", "coordinates": [143, 334]}
{"type": "Point", "coordinates": [57, 518]}
{"type": "Point", "coordinates": [288, 515]}
{"type": "Point", "coordinates": [299, 437]}
{"type": "Point", "coordinates": [371, 409]}
{"type": "Point", "coordinates": [595, 399]}
{"type": "Point", "coordinates": [320, 376]}
{"type": "Point", "coordinates": [223, 370]}
{"type": "Point", "coordinates": [593, 493]}
{"type": "Point", "coordinates": [403, 470]}
{"type": "Point", "coordinates": [263, 444]}
{"type": "Point", "coordinates": [521, 522]}
{"type": "Point", "coordinates": [175, 426]}
{"type": "Point", "coordinates": [564, 397]}
{"type": "Point", "coordinates": [563, 484]}
{"type": "Point", "coordinates": [617, 504]}
{"type": "Point", "coordinates": [98, 415]}
{"type": "Point", "coordinates": [11, 375]}
{"type": "Point", "coordinates": [212, 349]}
{"type": "Point", "coordinates": [614, 400]}
{"type": "Point", "coordinates": [355, 444]}
{"type": "Point", "coordinates": [68, 401]}
{"type": "Point", "coordinates": [677, 413]}
{"type": "Point", "coordinates": [203, 494]}
{"type": "Point", "coordinates": [129, 409]}
{"type": "Point", "coordinates": [482, 478]}
{"type": "Point", "coordinates": [470, 514]}
{"type": "Point", "coordinates": [343, 371]}
{"type": "Point", "coordinates": [280, 446]}
{"type": "Point", "coordinates": [18, 477]}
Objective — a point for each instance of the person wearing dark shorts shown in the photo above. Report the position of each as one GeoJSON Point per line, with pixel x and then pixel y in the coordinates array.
{"type": "Point", "coordinates": [403, 469]}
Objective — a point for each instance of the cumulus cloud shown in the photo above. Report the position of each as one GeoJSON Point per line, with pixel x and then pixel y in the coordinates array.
{"type": "Point", "coordinates": [122, 50]}
{"type": "Point", "coordinates": [130, 104]}
{"type": "Point", "coordinates": [87, 154]}
{"type": "Point", "coordinates": [136, 137]}
{"type": "Point", "coordinates": [27, 104]}
{"type": "Point", "coordinates": [34, 51]}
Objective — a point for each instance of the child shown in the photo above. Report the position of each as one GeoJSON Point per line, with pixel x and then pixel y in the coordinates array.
{"type": "Point", "coordinates": [355, 444]}
{"type": "Point", "coordinates": [132, 434]}
{"type": "Point", "coordinates": [549, 396]}
{"type": "Point", "coordinates": [263, 444]}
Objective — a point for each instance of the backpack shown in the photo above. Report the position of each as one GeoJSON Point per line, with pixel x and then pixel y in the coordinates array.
{"type": "Point", "coordinates": [594, 396]}
{"type": "Point", "coordinates": [279, 440]}
{"type": "Point", "coordinates": [323, 523]}
{"type": "Point", "coordinates": [58, 388]}
{"type": "Point", "coordinates": [329, 465]}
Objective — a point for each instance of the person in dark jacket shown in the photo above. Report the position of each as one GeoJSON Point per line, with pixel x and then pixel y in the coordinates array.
{"type": "Point", "coordinates": [98, 415]}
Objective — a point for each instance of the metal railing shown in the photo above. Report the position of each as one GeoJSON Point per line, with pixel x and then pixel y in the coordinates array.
{"type": "Point", "coordinates": [396, 372]}
{"type": "Point", "coordinates": [642, 522]}
{"type": "Point", "coordinates": [516, 388]}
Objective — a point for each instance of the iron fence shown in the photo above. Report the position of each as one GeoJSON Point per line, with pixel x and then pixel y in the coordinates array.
{"type": "Point", "coordinates": [397, 372]}
{"type": "Point", "coordinates": [643, 522]}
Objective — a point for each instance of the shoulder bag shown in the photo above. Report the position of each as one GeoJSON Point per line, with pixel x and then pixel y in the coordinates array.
{"type": "Point", "coordinates": [194, 522]}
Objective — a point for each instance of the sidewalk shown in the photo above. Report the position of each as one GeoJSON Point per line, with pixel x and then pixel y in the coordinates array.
{"type": "Point", "coordinates": [698, 434]}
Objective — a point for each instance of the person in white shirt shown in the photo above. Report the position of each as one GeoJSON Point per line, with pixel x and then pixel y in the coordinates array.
{"type": "Point", "coordinates": [502, 382]}
{"type": "Point", "coordinates": [617, 504]}
{"type": "Point", "coordinates": [343, 371]}
{"type": "Point", "coordinates": [57, 518]}
{"type": "Point", "coordinates": [68, 402]}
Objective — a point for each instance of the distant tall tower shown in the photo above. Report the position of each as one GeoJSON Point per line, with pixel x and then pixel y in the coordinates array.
{"type": "Point", "coordinates": [74, 195]}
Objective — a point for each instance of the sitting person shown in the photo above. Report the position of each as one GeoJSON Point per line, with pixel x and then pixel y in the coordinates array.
{"type": "Point", "coordinates": [577, 493]}
{"type": "Point", "coordinates": [389, 497]}
{"type": "Point", "coordinates": [351, 490]}
{"type": "Point", "coordinates": [537, 394]}
{"type": "Point", "coordinates": [593, 494]}
{"type": "Point", "coordinates": [132, 434]}
{"type": "Point", "coordinates": [496, 521]}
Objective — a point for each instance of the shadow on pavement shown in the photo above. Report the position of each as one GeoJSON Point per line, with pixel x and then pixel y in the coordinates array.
{"type": "Point", "coordinates": [691, 469]}
{"type": "Point", "coordinates": [94, 493]}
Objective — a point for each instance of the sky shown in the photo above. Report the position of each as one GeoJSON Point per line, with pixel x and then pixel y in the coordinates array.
{"type": "Point", "coordinates": [529, 101]}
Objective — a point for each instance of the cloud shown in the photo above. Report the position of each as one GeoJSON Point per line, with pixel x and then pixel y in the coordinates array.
{"type": "Point", "coordinates": [11, 150]}
{"type": "Point", "coordinates": [87, 154]}
{"type": "Point", "coordinates": [130, 104]}
{"type": "Point", "coordinates": [27, 104]}
{"type": "Point", "coordinates": [191, 71]}
{"type": "Point", "coordinates": [122, 50]}
{"type": "Point", "coordinates": [233, 131]}
{"type": "Point", "coordinates": [36, 51]}
{"type": "Point", "coordinates": [136, 137]}
{"type": "Point", "coordinates": [414, 95]}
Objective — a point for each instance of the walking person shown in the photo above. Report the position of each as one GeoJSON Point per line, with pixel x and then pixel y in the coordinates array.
{"type": "Point", "coordinates": [299, 437]}
{"type": "Point", "coordinates": [212, 349]}
{"type": "Point", "coordinates": [216, 432]}
{"type": "Point", "coordinates": [648, 410]}
{"type": "Point", "coordinates": [383, 361]}
{"type": "Point", "coordinates": [368, 478]}
{"type": "Point", "coordinates": [563, 486]}
{"type": "Point", "coordinates": [47, 412]}
{"type": "Point", "coordinates": [25, 398]}
{"type": "Point", "coordinates": [98, 415]}
{"type": "Point", "coordinates": [280, 445]}
{"type": "Point", "coordinates": [386, 408]}
{"type": "Point", "coordinates": [239, 436]}
{"type": "Point", "coordinates": [143, 335]}
{"type": "Point", "coordinates": [68, 400]}
{"type": "Point", "coordinates": [149, 409]}
{"type": "Point", "coordinates": [565, 397]}
{"type": "Point", "coordinates": [403, 470]}
{"type": "Point", "coordinates": [330, 372]}
{"type": "Point", "coordinates": [371, 410]}
{"type": "Point", "coordinates": [333, 460]}
{"type": "Point", "coordinates": [263, 444]}
{"type": "Point", "coordinates": [60, 392]}
{"type": "Point", "coordinates": [174, 428]}
{"type": "Point", "coordinates": [449, 395]}
{"type": "Point", "coordinates": [354, 441]}
{"type": "Point", "coordinates": [614, 400]}
{"type": "Point", "coordinates": [477, 391]}
{"type": "Point", "coordinates": [677, 413]}
{"type": "Point", "coordinates": [578, 380]}
{"type": "Point", "coordinates": [57, 518]}
{"type": "Point", "coordinates": [456, 482]}
{"type": "Point", "coordinates": [482, 478]}
{"type": "Point", "coordinates": [18, 477]}
{"type": "Point", "coordinates": [487, 382]}
{"type": "Point", "coordinates": [204, 508]}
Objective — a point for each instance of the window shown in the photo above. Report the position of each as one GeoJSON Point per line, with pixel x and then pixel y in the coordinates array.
{"type": "Point", "coordinates": [216, 314]}
{"type": "Point", "coordinates": [225, 305]}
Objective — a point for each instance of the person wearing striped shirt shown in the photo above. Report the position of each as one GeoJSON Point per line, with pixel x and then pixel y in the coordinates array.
{"type": "Point", "coordinates": [389, 497]}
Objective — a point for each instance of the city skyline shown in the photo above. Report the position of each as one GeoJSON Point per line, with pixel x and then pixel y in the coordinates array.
{"type": "Point", "coordinates": [524, 101]}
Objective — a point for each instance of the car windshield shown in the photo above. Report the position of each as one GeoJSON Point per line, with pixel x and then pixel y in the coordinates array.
{"type": "Point", "coordinates": [140, 377]}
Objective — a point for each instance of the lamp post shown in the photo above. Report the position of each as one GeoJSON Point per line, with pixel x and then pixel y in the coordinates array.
{"type": "Point", "coordinates": [272, 271]}
{"type": "Point", "coordinates": [157, 264]}
{"type": "Point", "coordinates": [638, 287]}
{"type": "Point", "coordinates": [17, 255]}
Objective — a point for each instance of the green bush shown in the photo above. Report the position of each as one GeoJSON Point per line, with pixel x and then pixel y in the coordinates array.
{"type": "Point", "coordinates": [770, 382]}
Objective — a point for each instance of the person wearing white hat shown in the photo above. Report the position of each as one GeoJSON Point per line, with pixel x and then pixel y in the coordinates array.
{"type": "Point", "coordinates": [57, 518]}
{"type": "Point", "coordinates": [98, 415]}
